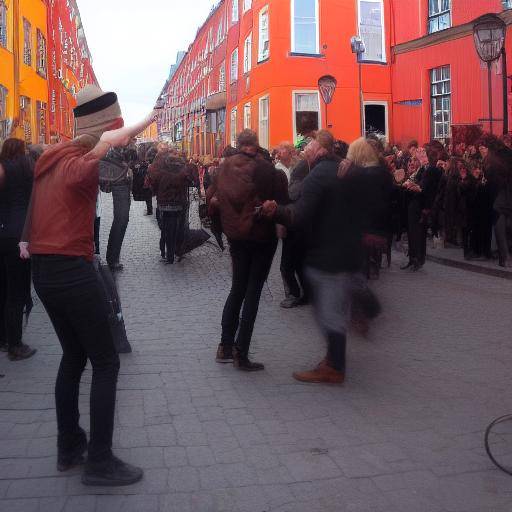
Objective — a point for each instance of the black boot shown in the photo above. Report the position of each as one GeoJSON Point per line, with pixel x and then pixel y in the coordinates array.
{"type": "Point", "coordinates": [241, 361]}
{"type": "Point", "coordinates": [71, 450]}
{"type": "Point", "coordinates": [112, 472]}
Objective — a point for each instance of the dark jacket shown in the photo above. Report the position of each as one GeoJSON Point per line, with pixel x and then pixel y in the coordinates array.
{"type": "Point", "coordinates": [297, 177]}
{"type": "Point", "coordinates": [331, 211]}
{"type": "Point", "coordinates": [15, 196]}
{"type": "Point", "coordinates": [243, 183]}
{"type": "Point", "coordinates": [170, 185]}
{"type": "Point", "coordinates": [378, 190]}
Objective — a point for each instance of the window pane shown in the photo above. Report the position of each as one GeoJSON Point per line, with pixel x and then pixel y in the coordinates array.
{"type": "Point", "coordinates": [306, 102]}
{"type": "Point", "coordinates": [305, 26]}
{"type": "Point", "coordinates": [371, 29]}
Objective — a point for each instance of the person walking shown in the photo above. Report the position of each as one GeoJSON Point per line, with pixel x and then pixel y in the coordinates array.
{"type": "Point", "coordinates": [331, 209]}
{"type": "Point", "coordinates": [16, 177]}
{"type": "Point", "coordinates": [169, 182]}
{"type": "Point", "coordinates": [59, 236]}
{"type": "Point", "coordinates": [243, 183]}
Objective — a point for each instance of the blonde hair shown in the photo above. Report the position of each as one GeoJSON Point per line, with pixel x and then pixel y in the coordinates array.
{"type": "Point", "coordinates": [362, 153]}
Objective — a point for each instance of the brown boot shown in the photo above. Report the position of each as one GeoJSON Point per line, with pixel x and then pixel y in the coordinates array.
{"type": "Point", "coordinates": [323, 373]}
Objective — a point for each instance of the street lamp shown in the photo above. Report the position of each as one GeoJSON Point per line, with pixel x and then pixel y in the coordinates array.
{"type": "Point", "coordinates": [489, 33]}
{"type": "Point", "coordinates": [358, 47]}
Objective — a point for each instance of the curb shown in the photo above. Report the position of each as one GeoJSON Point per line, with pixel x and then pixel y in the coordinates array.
{"type": "Point", "coordinates": [463, 265]}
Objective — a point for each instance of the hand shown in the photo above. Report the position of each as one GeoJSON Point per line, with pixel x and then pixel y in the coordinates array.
{"type": "Point", "coordinates": [344, 167]}
{"type": "Point", "coordinates": [117, 138]}
{"type": "Point", "coordinates": [269, 209]}
{"type": "Point", "coordinates": [24, 254]}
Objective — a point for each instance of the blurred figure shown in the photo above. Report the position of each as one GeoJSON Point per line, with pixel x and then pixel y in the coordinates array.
{"type": "Point", "coordinates": [16, 178]}
{"type": "Point", "coordinates": [286, 158]}
{"type": "Point", "coordinates": [331, 211]}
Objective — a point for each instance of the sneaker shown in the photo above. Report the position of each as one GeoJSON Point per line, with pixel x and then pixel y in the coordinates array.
{"type": "Point", "coordinates": [224, 353]}
{"type": "Point", "coordinates": [116, 267]}
{"type": "Point", "coordinates": [4, 347]}
{"type": "Point", "coordinates": [20, 352]}
{"type": "Point", "coordinates": [290, 302]}
{"type": "Point", "coordinates": [69, 459]}
{"type": "Point", "coordinates": [111, 473]}
{"type": "Point", "coordinates": [241, 362]}
{"type": "Point", "coordinates": [322, 374]}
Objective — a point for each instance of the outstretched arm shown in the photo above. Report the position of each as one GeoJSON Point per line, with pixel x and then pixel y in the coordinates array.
{"type": "Point", "coordinates": [121, 137]}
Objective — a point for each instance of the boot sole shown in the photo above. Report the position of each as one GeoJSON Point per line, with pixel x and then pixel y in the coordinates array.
{"type": "Point", "coordinates": [107, 482]}
{"type": "Point", "coordinates": [22, 358]}
{"type": "Point", "coordinates": [318, 381]}
{"type": "Point", "coordinates": [224, 361]}
{"type": "Point", "coordinates": [66, 466]}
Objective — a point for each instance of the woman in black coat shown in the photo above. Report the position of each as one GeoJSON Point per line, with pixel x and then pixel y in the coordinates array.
{"type": "Point", "coordinates": [16, 177]}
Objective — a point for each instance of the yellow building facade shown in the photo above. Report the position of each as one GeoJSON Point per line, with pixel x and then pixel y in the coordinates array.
{"type": "Point", "coordinates": [24, 70]}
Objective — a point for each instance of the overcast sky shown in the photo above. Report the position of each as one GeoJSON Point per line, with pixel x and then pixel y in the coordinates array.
{"type": "Point", "coordinates": [133, 44]}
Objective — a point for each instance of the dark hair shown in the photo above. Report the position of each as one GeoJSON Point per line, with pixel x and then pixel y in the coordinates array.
{"type": "Point", "coordinates": [35, 151]}
{"type": "Point", "coordinates": [229, 151]}
{"type": "Point", "coordinates": [412, 144]}
{"type": "Point", "coordinates": [340, 148]}
{"type": "Point", "coordinates": [12, 148]}
{"type": "Point", "coordinates": [247, 138]}
{"type": "Point", "coordinates": [491, 142]}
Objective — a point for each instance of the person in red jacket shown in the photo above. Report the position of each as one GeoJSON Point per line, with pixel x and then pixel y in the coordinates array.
{"type": "Point", "coordinates": [59, 236]}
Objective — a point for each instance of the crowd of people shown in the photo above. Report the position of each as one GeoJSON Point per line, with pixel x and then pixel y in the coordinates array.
{"type": "Point", "coordinates": [337, 208]}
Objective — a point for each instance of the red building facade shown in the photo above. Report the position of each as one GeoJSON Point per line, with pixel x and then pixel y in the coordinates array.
{"type": "Point", "coordinates": [70, 66]}
{"type": "Point", "coordinates": [438, 80]}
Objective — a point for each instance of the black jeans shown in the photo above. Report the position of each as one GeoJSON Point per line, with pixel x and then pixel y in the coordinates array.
{"type": "Point", "coordinates": [71, 294]}
{"type": "Point", "coordinates": [417, 235]}
{"type": "Point", "coordinates": [172, 234]}
{"type": "Point", "coordinates": [149, 204]}
{"type": "Point", "coordinates": [292, 265]}
{"type": "Point", "coordinates": [97, 225]}
{"type": "Point", "coordinates": [14, 291]}
{"type": "Point", "coordinates": [121, 199]}
{"type": "Point", "coordinates": [251, 266]}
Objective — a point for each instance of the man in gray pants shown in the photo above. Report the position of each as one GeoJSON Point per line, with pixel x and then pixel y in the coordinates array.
{"type": "Point", "coordinates": [121, 198]}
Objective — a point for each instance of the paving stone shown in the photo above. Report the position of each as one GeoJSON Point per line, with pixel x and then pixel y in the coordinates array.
{"type": "Point", "coordinates": [404, 434]}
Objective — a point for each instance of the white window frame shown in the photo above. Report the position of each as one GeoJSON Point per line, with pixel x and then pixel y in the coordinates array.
{"type": "Point", "coordinates": [294, 110]}
{"type": "Point", "coordinates": [233, 121]}
{"type": "Point", "coordinates": [317, 16]}
{"type": "Point", "coordinates": [264, 143]}
{"type": "Point", "coordinates": [437, 16]}
{"type": "Point", "coordinates": [442, 95]}
{"type": "Point", "coordinates": [234, 11]}
{"type": "Point", "coordinates": [222, 77]}
{"type": "Point", "coordinates": [261, 56]}
{"type": "Point", "coordinates": [233, 61]}
{"type": "Point", "coordinates": [386, 113]}
{"type": "Point", "coordinates": [248, 53]}
{"type": "Point", "coordinates": [382, 24]}
{"type": "Point", "coordinates": [247, 5]}
{"type": "Point", "coordinates": [247, 116]}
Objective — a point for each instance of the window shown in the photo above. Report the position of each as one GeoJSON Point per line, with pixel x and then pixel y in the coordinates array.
{"type": "Point", "coordinates": [371, 30]}
{"type": "Point", "coordinates": [247, 115]}
{"type": "Point", "coordinates": [263, 122]}
{"type": "Point", "coordinates": [305, 30]}
{"type": "Point", "coordinates": [247, 5]}
{"type": "Point", "coordinates": [41, 54]}
{"type": "Point", "coordinates": [234, 11]}
{"type": "Point", "coordinates": [3, 24]}
{"type": "Point", "coordinates": [247, 54]}
{"type": "Point", "coordinates": [441, 102]}
{"type": "Point", "coordinates": [220, 32]}
{"type": "Point", "coordinates": [222, 77]}
{"type": "Point", "coordinates": [4, 132]}
{"type": "Point", "coordinates": [264, 39]}
{"type": "Point", "coordinates": [438, 15]}
{"type": "Point", "coordinates": [41, 122]}
{"type": "Point", "coordinates": [27, 43]}
{"type": "Point", "coordinates": [234, 66]}
{"type": "Point", "coordinates": [232, 127]}
{"type": "Point", "coordinates": [306, 108]}
{"type": "Point", "coordinates": [26, 118]}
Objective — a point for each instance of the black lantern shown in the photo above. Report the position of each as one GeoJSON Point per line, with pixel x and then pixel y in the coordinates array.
{"type": "Point", "coordinates": [489, 33]}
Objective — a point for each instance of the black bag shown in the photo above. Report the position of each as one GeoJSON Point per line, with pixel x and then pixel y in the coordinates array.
{"type": "Point", "coordinates": [115, 317]}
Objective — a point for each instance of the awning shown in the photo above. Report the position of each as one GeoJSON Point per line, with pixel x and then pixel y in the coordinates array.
{"type": "Point", "coordinates": [216, 101]}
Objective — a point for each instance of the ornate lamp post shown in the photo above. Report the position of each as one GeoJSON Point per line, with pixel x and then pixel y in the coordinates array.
{"type": "Point", "coordinates": [489, 35]}
{"type": "Point", "coordinates": [358, 47]}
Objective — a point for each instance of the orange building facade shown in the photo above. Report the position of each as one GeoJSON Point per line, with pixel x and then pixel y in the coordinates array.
{"type": "Point", "coordinates": [438, 80]}
{"type": "Point", "coordinates": [256, 64]}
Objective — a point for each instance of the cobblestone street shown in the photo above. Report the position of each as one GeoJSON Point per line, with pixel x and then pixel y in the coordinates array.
{"type": "Point", "coordinates": [404, 434]}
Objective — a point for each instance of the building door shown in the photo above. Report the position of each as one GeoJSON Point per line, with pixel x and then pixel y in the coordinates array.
{"type": "Point", "coordinates": [376, 118]}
